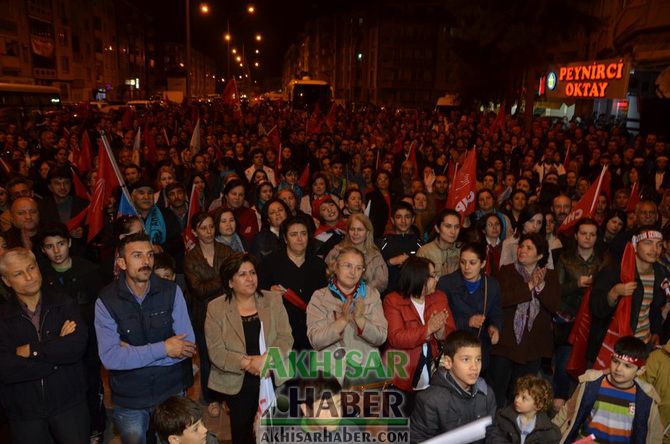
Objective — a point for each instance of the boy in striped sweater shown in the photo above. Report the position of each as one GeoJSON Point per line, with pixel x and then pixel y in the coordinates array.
{"type": "Point", "coordinates": [615, 406]}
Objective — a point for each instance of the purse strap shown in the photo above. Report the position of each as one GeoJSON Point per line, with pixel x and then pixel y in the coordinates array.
{"type": "Point", "coordinates": [486, 301]}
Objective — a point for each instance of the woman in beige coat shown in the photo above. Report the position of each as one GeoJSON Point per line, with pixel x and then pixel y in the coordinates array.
{"type": "Point", "coordinates": [347, 315]}
{"type": "Point", "coordinates": [233, 327]}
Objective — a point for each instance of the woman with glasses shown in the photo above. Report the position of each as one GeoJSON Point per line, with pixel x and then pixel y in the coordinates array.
{"type": "Point", "coordinates": [359, 234]}
{"type": "Point", "coordinates": [474, 298]}
{"type": "Point", "coordinates": [418, 317]}
{"type": "Point", "coordinates": [347, 314]}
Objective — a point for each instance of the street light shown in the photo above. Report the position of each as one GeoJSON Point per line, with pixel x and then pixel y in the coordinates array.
{"type": "Point", "coordinates": [251, 9]}
{"type": "Point", "coordinates": [257, 51]}
{"type": "Point", "coordinates": [234, 51]}
{"type": "Point", "coordinates": [226, 37]}
{"type": "Point", "coordinates": [258, 37]}
{"type": "Point", "coordinates": [204, 9]}
{"type": "Point", "coordinates": [256, 64]}
{"type": "Point", "coordinates": [238, 58]}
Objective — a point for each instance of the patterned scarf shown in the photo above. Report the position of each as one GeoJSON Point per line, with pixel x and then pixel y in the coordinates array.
{"type": "Point", "coordinates": [526, 312]}
{"type": "Point", "coordinates": [335, 289]}
{"type": "Point", "coordinates": [154, 225]}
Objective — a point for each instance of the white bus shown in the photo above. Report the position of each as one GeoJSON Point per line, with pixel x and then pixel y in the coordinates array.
{"type": "Point", "coordinates": [306, 93]}
{"type": "Point", "coordinates": [20, 100]}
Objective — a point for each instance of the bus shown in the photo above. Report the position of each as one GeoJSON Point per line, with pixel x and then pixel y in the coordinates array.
{"type": "Point", "coordinates": [18, 101]}
{"type": "Point", "coordinates": [304, 94]}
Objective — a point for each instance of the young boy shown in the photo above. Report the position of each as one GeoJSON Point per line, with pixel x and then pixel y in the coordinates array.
{"type": "Point", "coordinates": [617, 406]}
{"type": "Point", "coordinates": [526, 421]}
{"type": "Point", "coordinates": [657, 373]}
{"type": "Point", "coordinates": [457, 395]}
{"type": "Point", "coordinates": [164, 266]}
{"type": "Point", "coordinates": [178, 420]}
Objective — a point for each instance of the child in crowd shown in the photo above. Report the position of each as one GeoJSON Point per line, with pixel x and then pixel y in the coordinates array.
{"type": "Point", "coordinates": [164, 266]}
{"type": "Point", "coordinates": [617, 406]}
{"type": "Point", "coordinates": [657, 373]}
{"type": "Point", "coordinates": [178, 420]}
{"type": "Point", "coordinates": [526, 421]}
{"type": "Point", "coordinates": [457, 395]}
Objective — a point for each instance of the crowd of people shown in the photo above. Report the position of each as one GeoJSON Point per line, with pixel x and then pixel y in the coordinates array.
{"type": "Point", "coordinates": [333, 238]}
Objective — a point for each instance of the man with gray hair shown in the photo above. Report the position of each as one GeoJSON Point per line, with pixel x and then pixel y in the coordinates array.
{"type": "Point", "coordinates": [42, 342]}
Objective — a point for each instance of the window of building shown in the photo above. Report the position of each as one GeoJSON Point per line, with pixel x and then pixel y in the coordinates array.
{"type": "Point", "coordinates": [65, 65]}
{"type": "Point", "coordinates": [98, 45]}
{"type": "Point", "coordinates": [97, 23]}
{"type": "Point", "coordinates": [76, 46]}
{"type": "Point", "coordinates": [62, 38]}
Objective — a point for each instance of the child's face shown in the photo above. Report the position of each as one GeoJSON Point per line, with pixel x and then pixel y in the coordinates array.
{"type": "Point", "coordinates": [465, 365]}
{"type": "Point", "coordinates": [193, 434]}
{"type": "Point", "coordinates": [622, 373]}
{"type": "Point", "coordinates": [524, 403]}
{"type": "Point", "coordinates": [165, 273]}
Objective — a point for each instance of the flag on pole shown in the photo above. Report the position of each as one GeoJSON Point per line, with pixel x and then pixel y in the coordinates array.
{"type": "Point", "coordinates": [193, 207]}
{"type": "Point", "coordinates": [461, 196]}
{"type": "Point", "coordinates": [499, 121]}
{"type": "Point", "coordinates": [634, 198]}
{"type": "Point", "coordinates": [109, 177]}
{"type": "Point", "coordinates": [331, 117]}
{"type": "Point", "coordinates": [137, 146]}
{"type": "Point", "coordinates": [79, 188]}
{"type": "Point", "coordinates": [126, 207]}
{"type": "Point", "coordinates": [232, 97]}
{"type": "Point", "coordinates": [304, 178]}
{"type": "Point", "coordinates": [165, 136]}
{"type": "Point", "coordinates": [586, 205]}
{"type": "Point", "coordinates": [150, 153]}
{"type": "Point", "coordinates": [194, 145]}
{"type": "Point", "coordinates": [579, 337]}
{"type": "Point", "coordinates": [77, 220]}
{"type": "Point", "coordinates": [275, 141]}
{"type": "Point", "coordinates": [84, 160]}
{"type": "Point", "coordinates": [313, 125]}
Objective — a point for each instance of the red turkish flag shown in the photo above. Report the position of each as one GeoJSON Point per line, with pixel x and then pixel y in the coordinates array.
{"type": "Point", "coordinates": [304, 178]}
{"type": "Point", "coordinates": [193, 207]}
{"type": "Point", "coordinates": [461, 196]}
{"type": "Point", "coordinates": [586, 205]}
{"type": "Point", "coordinates": [331, 117]}
{"type": "Point", "coordinates": [313, 125]}
{"type": "Point", "coordinates": [231, 96]}
{"type": "Point", "coordinates": [634, 198]}
{"type": "Point", "coordinates": [150, 144]}
{"type": "Point", "coordinates": [579, 337]}
{"type": "Point", "coordinates": [84, 159]}
{"type": "Point", "coordinates": [620, 323]}
{"type": "Point", "coordinates": [107, 182]}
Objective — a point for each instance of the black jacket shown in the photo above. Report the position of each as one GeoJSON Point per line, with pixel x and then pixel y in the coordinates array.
{"type": "Point", "coordinates": [393, 245]}
{"type": "Point", "coordinates": [445, 406]}
{"type": "Point", "coordinates": [506, 430]}
{"type": "Point", "coordinates": [51, 380]}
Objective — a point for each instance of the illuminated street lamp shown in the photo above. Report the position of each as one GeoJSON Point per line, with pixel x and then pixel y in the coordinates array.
{"type": "Point", "coordinates": [226, 37]}
{"type": "Point", "coordinates": [204, 8]}
{"type": "Point", "coordinates": [251, 9]}
{"type": "Point", "coordinates": [256, 64]}
{"type": "Point", "coordinates": [258, 37]}
{"type": "Point", "coordinates": [257, 51]}
{"type": "Point", "coordinates": [234, 51]}
{"type": "Point", "coordinates": [238, 58]}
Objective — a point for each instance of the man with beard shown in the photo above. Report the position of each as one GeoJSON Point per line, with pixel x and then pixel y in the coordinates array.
{"type": "Point", "coordinates": [145, 338]}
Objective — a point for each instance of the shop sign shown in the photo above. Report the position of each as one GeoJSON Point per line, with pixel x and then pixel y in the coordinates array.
{"type": "Point", "coordinates": [599, 79]}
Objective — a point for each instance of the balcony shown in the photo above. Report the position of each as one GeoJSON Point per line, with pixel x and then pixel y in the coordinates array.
{"type": "Point", "coordinates": [641, 17]}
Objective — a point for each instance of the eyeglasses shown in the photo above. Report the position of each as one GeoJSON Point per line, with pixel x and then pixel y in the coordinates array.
{"type": "Point", "coordinates": [349, 266]}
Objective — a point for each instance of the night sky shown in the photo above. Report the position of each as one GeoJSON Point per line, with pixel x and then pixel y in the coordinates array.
{"type": "Point", "coordinates": [280, 23]}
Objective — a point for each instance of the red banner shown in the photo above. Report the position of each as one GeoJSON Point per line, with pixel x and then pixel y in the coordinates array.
{"type": "Point", "coordinates": [586, 205]}
{"type": "Point", "coordinates": [461, 196]}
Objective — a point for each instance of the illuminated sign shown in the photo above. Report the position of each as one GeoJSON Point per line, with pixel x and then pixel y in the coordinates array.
{"type": "Point", "coordinates": [589, 80]}
{"type": "Point", "coordinates": [551, 81]}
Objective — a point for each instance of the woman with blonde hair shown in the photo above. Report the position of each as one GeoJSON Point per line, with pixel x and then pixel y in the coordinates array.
{"type": "Point", "coordinates": [164, 177]}
{"type": "Point", "coordinates": [360, 235]}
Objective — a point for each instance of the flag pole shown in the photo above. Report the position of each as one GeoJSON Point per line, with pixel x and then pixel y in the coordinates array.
{"type": "Point", "coordinates": [600, 182]}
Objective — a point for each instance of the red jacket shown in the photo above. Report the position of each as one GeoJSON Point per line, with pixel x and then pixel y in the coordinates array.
{"type": "Point", "coordinates": [407, 333]}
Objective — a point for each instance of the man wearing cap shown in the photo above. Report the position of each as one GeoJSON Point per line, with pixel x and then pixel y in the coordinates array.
{"type": "Point", "coordinates": [177, 203]}
{"type": "Point", "coordinates": [161, 224]}
{"type": "Point", "coordinates": [648, 293]}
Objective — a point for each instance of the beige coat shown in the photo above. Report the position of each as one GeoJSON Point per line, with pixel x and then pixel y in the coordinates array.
{"type": "Point", "coordinates": [376, 270]}
{"type": "Point", "coordinates": [323, 335]}
{"type": "Point", "coordinates": [446, 261]}
{"type": "Point", "coordinates": [226, 344]}
{"type": "Point", "coordinates": [568, 413]}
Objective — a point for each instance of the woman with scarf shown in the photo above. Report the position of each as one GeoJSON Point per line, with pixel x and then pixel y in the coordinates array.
{"type": "Point", "coordinates": [531, 220]}
{"type": "Point", "coordinates": [358, 234]}
{"type": "Point", "coordinates": [474, 298]}
{"type": "Point", "coordinates": [418, 317]}
{"type": "Point", "coordinates": [310, 203]}
{"type": "Point", "coordinates": [531, 295]}
{"type": "Point", "coordinates": [347, 314]}
{"type": "Point", "coordinates": [226, 230]}
{"type": "Point", "coordinates": [380, 201]}
{"type": "Point", "coordinates": [202, 266]}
